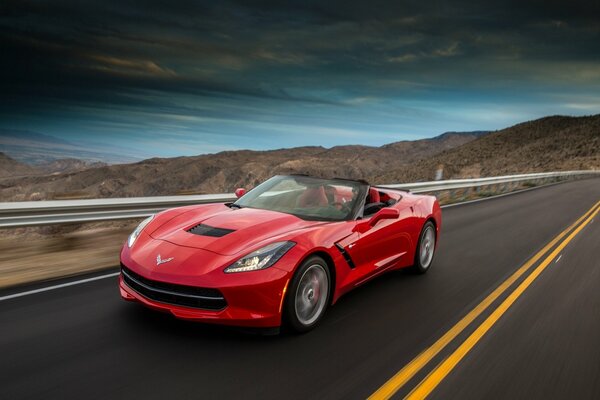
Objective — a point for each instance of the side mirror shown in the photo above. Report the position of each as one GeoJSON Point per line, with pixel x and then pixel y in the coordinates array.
{"type": "Point", "coordinates": [384, 213]}
{"type": "Point", "coordinates": [239, 192]}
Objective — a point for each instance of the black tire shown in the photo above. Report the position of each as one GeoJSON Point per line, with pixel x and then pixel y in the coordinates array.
{"type": "Point", "coordinates": [292, 315]}
{"type": "Point", "coordinates": [420, 265]}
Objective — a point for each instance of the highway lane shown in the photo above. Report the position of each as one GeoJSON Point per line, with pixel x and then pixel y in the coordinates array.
{"type": "Point", "coordinates": [84, 341]}
{"type": "Point", "coordinates": [547, 346]}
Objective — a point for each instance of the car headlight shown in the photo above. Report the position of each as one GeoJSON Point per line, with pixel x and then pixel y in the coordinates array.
{"type": "Point", "coordinates": [261, 258]}
{"type": "Point", "coordinates": [134, 235]}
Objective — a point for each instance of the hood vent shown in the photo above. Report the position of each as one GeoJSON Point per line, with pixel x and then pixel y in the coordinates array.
{"type": "Point", "coordinates": [205, 230]}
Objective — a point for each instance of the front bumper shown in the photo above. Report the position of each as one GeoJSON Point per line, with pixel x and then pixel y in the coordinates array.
{"type": "Point", "coordinates": [256, 304]}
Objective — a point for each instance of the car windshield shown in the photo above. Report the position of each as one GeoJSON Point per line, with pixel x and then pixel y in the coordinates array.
{"type": "Point", "coordinates": [307, 198]}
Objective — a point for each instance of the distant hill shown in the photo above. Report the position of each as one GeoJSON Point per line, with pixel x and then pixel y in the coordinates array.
{"type": "Point", "coordinates": [36, 148]}
{"type": "Point", "coordinates": [471, 133]}
{"type": "Point", "coordinates": [223, 172]}
{"type": "Point", "coordinates": [547, 144]}
{"type": "Point", "coordinates": [67, 165]}
{"type": "Point", "coordinates": [11, 168]}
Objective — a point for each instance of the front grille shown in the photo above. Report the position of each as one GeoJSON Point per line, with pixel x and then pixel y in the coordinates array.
{"type": "Point", "coordinates": [205, 230]}
{"type": "Point", "coordinates": [181, 295]}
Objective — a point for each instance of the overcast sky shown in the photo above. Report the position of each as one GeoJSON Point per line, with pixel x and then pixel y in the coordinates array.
{"type": "Point", "coordinates": [189, 77]}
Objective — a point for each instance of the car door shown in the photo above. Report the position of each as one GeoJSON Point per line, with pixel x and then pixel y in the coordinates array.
{"type": "Point", "coordinates": [381, 247]}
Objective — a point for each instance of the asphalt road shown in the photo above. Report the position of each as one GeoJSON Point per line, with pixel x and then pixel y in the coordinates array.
{"type": "Point", "coordinates": [84, 342]}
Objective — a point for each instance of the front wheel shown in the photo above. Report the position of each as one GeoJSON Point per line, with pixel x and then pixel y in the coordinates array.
{"type": "Point", "coordinates": [308, 295]}
{"type": "Point", "coordinates": [425, 249]}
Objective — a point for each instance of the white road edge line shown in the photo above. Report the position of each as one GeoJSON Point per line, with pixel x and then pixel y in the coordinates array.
{"type": "Point", "coordinates": [96, 278]}
{"type": "Point", "coordinates": [62, 285]}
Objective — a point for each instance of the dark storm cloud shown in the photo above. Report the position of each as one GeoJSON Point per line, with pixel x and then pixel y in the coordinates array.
{"type": "Point", "coordinates": [261, 67]}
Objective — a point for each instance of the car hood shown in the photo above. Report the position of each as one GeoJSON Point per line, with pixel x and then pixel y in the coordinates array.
{"type": "Point", "coordinates": [236, 229]}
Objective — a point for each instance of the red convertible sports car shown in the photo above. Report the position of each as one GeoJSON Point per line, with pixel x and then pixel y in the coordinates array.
{"type": "Point", "coordinates": [280, 254]}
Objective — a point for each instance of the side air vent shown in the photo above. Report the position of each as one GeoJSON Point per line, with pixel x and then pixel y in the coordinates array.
{"type": "Point", "coordinates": [205, 230]}
{"type": "Point", "coordinates": [346, 255]}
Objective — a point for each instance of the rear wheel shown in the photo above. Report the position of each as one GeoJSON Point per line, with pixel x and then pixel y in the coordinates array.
{"type": "Point", "coordinates": [425, 249]}
{"type": "Point", "coordinates": [308, 295]}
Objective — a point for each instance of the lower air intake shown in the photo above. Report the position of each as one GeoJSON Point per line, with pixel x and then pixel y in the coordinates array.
{"type": "Point", "coordinates": [163, 292]}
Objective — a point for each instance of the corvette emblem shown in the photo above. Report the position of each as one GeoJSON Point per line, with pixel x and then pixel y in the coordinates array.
{"type": "Point", "coordinates": [161, 261]}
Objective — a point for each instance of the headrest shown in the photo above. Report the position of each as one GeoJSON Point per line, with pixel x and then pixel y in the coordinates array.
{"type": "Point", "coordinates": [374, 195]}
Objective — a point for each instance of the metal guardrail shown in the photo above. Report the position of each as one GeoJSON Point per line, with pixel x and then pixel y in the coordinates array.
{"type": "Point", "coordinates": [35, 213]}
{"type": "Point", "coordinates": [450, 184]}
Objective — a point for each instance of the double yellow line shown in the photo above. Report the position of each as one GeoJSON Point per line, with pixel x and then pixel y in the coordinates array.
{"type": "Point", "coordinates": [426, 386]}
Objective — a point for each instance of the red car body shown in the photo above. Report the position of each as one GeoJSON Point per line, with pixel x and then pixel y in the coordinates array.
{"type": "Point", "coordinates": [355, 250]}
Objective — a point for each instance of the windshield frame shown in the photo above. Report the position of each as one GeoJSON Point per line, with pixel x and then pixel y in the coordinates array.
{"type": "Point", "coordinates": [363, 189]}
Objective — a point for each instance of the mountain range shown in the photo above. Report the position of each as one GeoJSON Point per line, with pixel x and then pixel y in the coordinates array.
{"type": "Point", "coordinates": [217, 172]}
{"type": "Point", "coordinates": [38, 149]}
{"type": "Point", "coordinates": [547, 144]}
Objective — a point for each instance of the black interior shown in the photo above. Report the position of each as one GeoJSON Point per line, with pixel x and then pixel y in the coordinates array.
{"type": "Point", "coordinates": [372, 205]}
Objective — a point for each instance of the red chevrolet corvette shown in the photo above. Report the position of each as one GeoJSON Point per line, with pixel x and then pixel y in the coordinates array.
{"type": "Point", "coordinates": [280, 254]}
